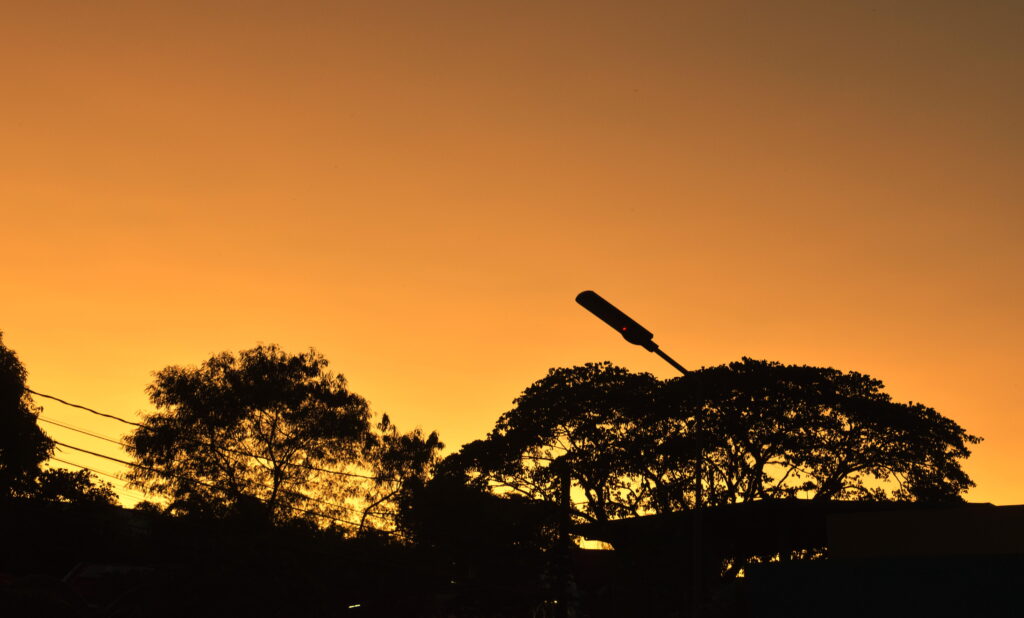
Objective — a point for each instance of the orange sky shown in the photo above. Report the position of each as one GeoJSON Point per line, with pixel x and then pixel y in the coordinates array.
{"type": "Point", "coordinates": [419, 189]}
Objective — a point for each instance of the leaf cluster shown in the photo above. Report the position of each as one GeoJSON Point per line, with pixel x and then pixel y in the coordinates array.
{"type": "Point", "coordinates": [76, 486]}
{"type": "Point", "coordinates": [398, 463]}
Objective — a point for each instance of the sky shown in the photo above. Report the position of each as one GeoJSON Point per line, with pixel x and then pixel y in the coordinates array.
{"type": "Point", "coordinates": [419, 189]}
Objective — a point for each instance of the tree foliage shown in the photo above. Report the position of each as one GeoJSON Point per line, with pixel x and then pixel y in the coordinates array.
{"type": "Point", "coordinates": [768, 431]}
{"type": "Point", "coordinates": [263, 434]}
{"type": "Point", "coordinates": [777, 431]}
{"type": "Point", "coordinates": [23, 445]}
{"type": "Point", "coordinates": [397, 463]}
{"type": "Point", "coordinates": [275, 437]}
{"type": "Point", "coordinates": [589, 415]}
{"type": "Point", "coordinates": [77, 486]}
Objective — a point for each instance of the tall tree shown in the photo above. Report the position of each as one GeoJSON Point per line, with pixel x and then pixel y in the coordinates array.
{"type": "Point", "coordinates": [775, 431]}
{"type": "Point", "coordinates": [261, 432]}
{"type": "Point", "coordinates": [769, 431]}
{"type": "Point", "coordinates": [23, 445]}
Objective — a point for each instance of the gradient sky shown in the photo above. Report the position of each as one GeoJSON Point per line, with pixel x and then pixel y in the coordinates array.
{"type": "Point", "coordinates": [418, 189]}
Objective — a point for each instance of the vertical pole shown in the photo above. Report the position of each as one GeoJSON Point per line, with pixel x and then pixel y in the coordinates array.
{"type": "Point", "coordinates": [564, 502]}
{"type": "Point", "coordinates": [567, 602]}
{"type": "Point", "coordinates": [632, 332]}
{"type": "Point", "coordinates": [697, 542]}
{"type": "Point", "coordinates": [698, 504]}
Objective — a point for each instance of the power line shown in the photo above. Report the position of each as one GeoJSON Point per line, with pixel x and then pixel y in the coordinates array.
{"type": "Point", "coordinates": [83, 431]}
{"type": "Point", "coordinates": [223, 449]}
{"type": "Point", "coordinates": [120, 461]}
{"type": "Point", "coordinates": [101, 437]}
{"type": "Point", "coordinates": [220, 448]}
{"type": "Point", "coordinates": [91, 469]}
{"type": "Point", "coordinates": [294, 493]}
{"type": "Point", "coordinates": [120, 490]}
{"type": "Point", "coordinates": [206, 484]}
{"type": "Point", "coordinates": [140, 497]}
{"type": "Point", "coordinates": [75, 405]}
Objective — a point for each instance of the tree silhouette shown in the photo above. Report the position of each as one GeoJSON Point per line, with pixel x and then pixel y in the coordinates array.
{"type": "Point", "coordinates": [398, 463]}
{"type": "Point", "coordinates": [777, 431]}
{"type": "Point", "coordinates": [590, 415]}
{"type": "Point", "coordinates": [23, 445]}
{"type": "Point", "coordinates": [769, 431]}
{"type": "Point", "coordinates": [77, 486]}
{"type": "Point", "coordinates": [262, 434]}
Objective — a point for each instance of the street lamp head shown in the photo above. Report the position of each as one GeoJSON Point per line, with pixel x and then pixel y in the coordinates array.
{"type": "Point", "coordinates": [622, 323]}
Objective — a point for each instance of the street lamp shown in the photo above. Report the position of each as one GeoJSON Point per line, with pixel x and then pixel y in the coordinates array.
{"type": "Point", "coordinates": [624, 325]}
{"type": "Point", "coordinates": [632, 332]}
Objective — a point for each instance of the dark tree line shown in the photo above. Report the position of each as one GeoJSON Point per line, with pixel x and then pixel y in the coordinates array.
{"type": "Point", "coordinates": [277, 436]}
{"type": "Point", "coordinates": [768, 431]}
{"type": "Point", "coordinates": [265, 441]}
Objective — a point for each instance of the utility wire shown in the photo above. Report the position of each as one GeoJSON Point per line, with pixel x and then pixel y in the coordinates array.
{"type": "Point", "coordinates": [294, 493]}
{"type": "Point", "coordinates": [120, 461]}
{"type": "Point", "coordinates": [141, 497]}
{"type": "Point", "coordinates": [120, 490]}
{"type": "Point", "coordinates": [204, 483]}
{"type": "Point", "coordinates": [88, 433]}
{"type": "Point", "coordinates": [224, 449]}
{"type": "Point", "coordinates": [91, 469]}
{"type": "Point", "coordinates": [75, 405]}
{"type": "Point", "coordinates": [258, 458]}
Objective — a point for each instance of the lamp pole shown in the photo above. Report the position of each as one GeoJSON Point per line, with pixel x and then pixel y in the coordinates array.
{"type": "Point", "coordinates": [632, 332]}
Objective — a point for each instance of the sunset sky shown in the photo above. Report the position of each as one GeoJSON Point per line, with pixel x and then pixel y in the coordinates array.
{"type": "Point", "coordinates": [418, 189]}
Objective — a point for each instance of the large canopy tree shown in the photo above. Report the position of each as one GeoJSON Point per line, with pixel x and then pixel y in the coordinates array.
{"type": "Point", "coordinates": [23, 446]}
{"type": "Point", "coordinates": [776, 431]}
{"type": "Point", "coordinates": [262, 433]}
{"type": "Point", "coordinates": [769, 431]}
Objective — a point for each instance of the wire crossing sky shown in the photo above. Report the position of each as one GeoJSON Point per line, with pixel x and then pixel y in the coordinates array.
{"type": "Point", "coordinates": [420, 189]}
{"type": "Point", "coordinates": [120, 457]}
